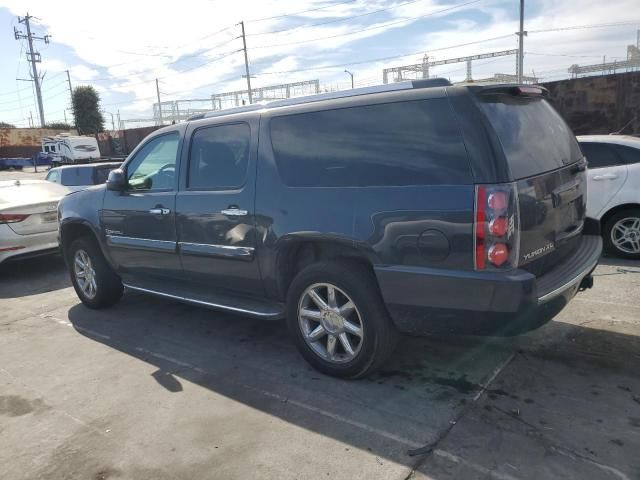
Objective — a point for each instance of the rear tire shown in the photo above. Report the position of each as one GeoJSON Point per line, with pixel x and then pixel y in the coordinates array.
{"type": "Point", "coordinates": [347, 333]}
{"type": "Point", "coordinates": [621, 234]}
{"type": "Point", "coordinates": [94, 281]}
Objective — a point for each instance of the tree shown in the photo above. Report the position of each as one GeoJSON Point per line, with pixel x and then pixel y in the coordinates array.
{"type": "Point", "coordinates": [86, 110]}
{"type": "Point", "coordinates": [6, 125]}
{"type": "Point", "coordinates": [59, 126]}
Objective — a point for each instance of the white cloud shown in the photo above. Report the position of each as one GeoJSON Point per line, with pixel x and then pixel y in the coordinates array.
{"type": "Point", "coordinates": [123, 48]}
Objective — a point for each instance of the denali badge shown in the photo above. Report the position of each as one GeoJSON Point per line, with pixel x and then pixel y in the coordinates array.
{"type": "Point", "coordinates": [547, 248]}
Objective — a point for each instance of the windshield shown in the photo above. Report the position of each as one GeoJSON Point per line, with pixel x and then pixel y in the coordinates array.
{"type": "Point", "coordinates": [534, 137]}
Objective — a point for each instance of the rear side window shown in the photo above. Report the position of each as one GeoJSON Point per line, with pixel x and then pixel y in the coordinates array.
{"type": "Point", "coordinates": [102, 174]}
{"type": "Point", "coordinates": [534, 137]}
{"type": "Point", "coordinates": [52, 176]}
{"type": "Point", "coordinates": [393, 144]}
{"type": "Point", "coordinates": [629, 155]}
{"type": "Point", "coordinates": [219, 156]}
{"type": "Point", "coordinates": [76, 176]}
{"type": "Point", "coordinates": [600, 155]}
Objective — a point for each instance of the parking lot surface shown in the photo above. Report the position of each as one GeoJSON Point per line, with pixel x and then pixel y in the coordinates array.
{"type": "Point", "coordinates": [153, 389]}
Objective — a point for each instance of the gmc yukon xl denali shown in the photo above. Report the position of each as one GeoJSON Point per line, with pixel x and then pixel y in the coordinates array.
{"type": "Point", "coordinates": [418, 207]}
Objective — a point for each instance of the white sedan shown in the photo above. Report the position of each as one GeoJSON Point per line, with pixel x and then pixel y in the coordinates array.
{"type": "Point", "coordinates": [29, 218]}
{"type": "Point", "coordinates": [614, 190]}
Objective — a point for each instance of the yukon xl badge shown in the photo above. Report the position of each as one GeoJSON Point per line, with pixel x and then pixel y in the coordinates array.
{"type": "Point", "coordinates": [539, 251]}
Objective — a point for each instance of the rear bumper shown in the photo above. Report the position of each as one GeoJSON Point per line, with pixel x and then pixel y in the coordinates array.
{"type": "Point", "coordinates": [438, 301]}
{"type": "Point", "coordinates": [15, 247]}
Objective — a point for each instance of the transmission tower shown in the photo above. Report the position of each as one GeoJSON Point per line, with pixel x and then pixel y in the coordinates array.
{"type": "Point", "coordinates": [33, 57]}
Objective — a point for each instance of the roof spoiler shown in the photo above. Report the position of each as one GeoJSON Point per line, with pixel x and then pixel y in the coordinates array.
{"type": "Point", "coordinates": [516, 90]}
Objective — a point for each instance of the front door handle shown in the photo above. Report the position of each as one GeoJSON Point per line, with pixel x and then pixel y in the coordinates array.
{"type": "Point", "coordinates": [606, 176]}
{"type": "Point", "coordinates": [234, 212]}
{"type": "Point", "coordinates": [159, 211]}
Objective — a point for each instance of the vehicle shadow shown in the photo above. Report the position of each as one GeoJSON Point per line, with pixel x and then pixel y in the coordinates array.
{"type": "Point", "coordinates": [619, 262]}
{"type": "Point", "coordinates": [409, 404]}
{"type": "Point", "coordinates": [33, 276]}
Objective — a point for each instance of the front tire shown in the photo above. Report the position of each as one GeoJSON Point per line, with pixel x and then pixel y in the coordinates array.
{"type": "Point", "coordinates": [621, 234]}
{"type": "Point", "coordinates": [94, 281]}
{"type": "Point", "coordinates": [338, 320]}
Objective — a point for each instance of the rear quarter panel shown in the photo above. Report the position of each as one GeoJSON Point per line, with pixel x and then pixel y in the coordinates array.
{"type": "Point", "coordinates": [408, 225]}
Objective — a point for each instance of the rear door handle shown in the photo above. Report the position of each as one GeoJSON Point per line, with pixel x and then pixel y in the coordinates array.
{"type": "Point", "coordinates": [606, 176]}
{"type": "Point", "coordinates": [234, 212]}
{"type": "Point", "coordinates": [160, 211]}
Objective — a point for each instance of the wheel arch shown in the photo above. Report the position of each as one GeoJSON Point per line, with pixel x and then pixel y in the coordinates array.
{"type": "Point", "coordinates": [297, 252]}
{"type": "Point", "coordinates": [618, 208]}
{"type": "Point", "coordinates": [72, 229]}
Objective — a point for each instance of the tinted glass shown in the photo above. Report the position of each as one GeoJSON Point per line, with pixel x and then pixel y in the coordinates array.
{"type": "Point", "coordinates": [52, 176]}
{"type": "Point", "coordinates": [404, 143]}
{"type": "Point", "coordinates": [534, 137]}
{"type": "Point", "coordinates": [629, 155]}
{"type": "Point", "coordinates": [600, 155]}
{"type": "Point", "coordinates": [153, 167]}
{"type": "Point", "coordinates": [73, 177]}
{"type": "Point", "coordinates": [102, 174]}
{"type": "Point", "coordinates": [218, 157]}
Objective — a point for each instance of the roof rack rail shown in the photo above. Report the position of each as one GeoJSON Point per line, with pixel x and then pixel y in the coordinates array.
{"type": "Point", "coordinates": [390, 87]}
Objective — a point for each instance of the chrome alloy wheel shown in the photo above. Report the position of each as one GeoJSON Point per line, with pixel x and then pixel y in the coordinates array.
{"type": "Point", "coordinates": [85, 274]}
{"type": "Point", "coordinates": [625, 235]}
{"type": "Point", "coordinates": [330, 323]}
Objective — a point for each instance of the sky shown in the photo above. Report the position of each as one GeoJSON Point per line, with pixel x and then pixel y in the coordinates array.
{"type": "Point", "coordinates": [194, 47]}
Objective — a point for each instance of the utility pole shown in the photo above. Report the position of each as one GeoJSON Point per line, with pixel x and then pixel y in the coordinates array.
{"type": "Point", "coordinates": [33, 57]}
{"type": "Point", "coordinates": [351, 75]}
{"type": "Point", "coordinates": [521, 34]}
{"type": "Point", "coordinates": [246, 63]}
{"type": "Point", "coordinates": [70, 98]}
{"type": "Point", "coordinates": [159, 105]}
{"type": "Point", "coordinates": [119, 124]}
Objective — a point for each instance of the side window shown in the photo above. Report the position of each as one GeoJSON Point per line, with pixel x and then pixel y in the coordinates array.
{"type": "Point", "coordinates": [154, 165]}
{"type": "Point", "coordinates": [46, 148]}
{"type": "Point", "coordinates": [219, 156]}
{"type": "Point", "coordinates": [392, 144]}
{"type": "Point", "coordinates": [74, 177]}
{"type": "Point", "coordinates": [600, 155]}
{"type": "Point", "coordinates": [629, 155]}
{"type": "Point", "coordinates": [52, 176]}
{"type": "Point", "coordinates": [102, 174]}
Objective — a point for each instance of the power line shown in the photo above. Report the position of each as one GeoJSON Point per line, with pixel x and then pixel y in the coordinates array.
{"type": "Point", "coordinates": [579, 27]}
{"type": "Point", "coordinates": [382, 59]}
{"type": "Point", "coordinates": [301, 12]}
{"type": "Point", "coordinates": [382, 25]}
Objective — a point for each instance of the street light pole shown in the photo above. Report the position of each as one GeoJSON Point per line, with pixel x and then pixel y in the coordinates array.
{"type": "Point", "coordinates": [351, 75]}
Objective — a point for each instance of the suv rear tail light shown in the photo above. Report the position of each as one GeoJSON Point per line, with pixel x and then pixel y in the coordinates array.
{"type": "Point", "coordinates": [12, 217]}
{"type": "Point", "coordinates": [496, 227]}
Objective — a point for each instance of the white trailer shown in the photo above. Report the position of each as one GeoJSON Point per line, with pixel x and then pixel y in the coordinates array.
{"type": "Point", "coordinates": [65, 149]}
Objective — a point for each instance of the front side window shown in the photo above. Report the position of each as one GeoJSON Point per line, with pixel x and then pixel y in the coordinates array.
{"type": "Point", "coordinates": [52, 176]}
{"type": "Point", "coordinates": [154, 166]}
{"type": "Point", "coordinates": [219, 156]}
{"type": "Point", "coordinates": [392, 144]}
{"type": "Point", "coordinates": [600, 155]}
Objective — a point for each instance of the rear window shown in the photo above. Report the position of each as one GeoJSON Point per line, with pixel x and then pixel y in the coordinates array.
{"type": "Point", "coordinates": [393, 144]}
{"type": "Point", "coordinates": [73, 177]}
{"type": "Point", "coordinates": [534, 137]}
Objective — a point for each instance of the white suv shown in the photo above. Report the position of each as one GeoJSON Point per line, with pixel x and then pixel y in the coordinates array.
{"type": "Point", "coordinates": [614, 190]}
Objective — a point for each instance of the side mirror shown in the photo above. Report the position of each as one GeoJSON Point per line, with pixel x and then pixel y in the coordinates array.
{"type": "Point", "coordinates": [117, 180]}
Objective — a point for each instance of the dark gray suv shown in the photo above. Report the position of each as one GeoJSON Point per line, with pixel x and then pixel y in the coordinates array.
{"type": "Point", "coordinates": [417, 207]}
